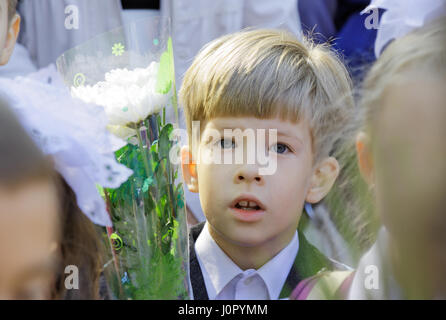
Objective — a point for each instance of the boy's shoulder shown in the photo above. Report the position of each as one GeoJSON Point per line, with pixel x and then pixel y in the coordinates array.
{"type": "Point", "coordinates": [195, 231]}
{"type": "Point", "coordinates": [195, 273]}
{"type": "Point", "coordinates": [308, 262]}
{"type": "Point", "coordinates": [311, 260]}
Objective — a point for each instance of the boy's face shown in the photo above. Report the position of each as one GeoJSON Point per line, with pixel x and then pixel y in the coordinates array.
{"type": "Point", "coordinates": [278, 198]}
{"type": "Point", "coordinates": [8, 32]}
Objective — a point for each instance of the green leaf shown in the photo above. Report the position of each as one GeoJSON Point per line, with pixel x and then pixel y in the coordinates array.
{"type": "Point", "coordinates": [164, 144]}
{"type": "Point", "coordinates": [176, 225]}
{"type": "Point", "coordinates": [147, 183]}
{"type": "Point", "coordinates": [100, 190]}
{"type": "Point", "coordinates": [180, 195]}
{"type": "Point", "coordinates": [180, 201]}
{"type": "Point", "coordinates": [154, 147]}
{"type": "Point", "coordinates": [166, 73]}
{"type": "Point", "coordinates": [152, 238]}
{"type": "Point", "coordinates": [160, 177]}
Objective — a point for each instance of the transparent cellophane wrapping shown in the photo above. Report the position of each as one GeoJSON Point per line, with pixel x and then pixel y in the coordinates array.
{"type": "Point", "coordinates": [130, 72]}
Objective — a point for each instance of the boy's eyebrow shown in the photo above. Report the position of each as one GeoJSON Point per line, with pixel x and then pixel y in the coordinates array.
{"type": "Point", "coordinates": [280, 132]}
{"type": "Point", "coordinates": [289, 135]}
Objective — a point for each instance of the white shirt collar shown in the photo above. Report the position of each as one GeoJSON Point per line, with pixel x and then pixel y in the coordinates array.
{"type": "Point", "coordinates": [218, 269]}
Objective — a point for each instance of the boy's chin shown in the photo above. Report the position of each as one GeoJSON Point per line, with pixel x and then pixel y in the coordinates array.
{"type": "Point", "coordinates": [248, 241]}
{"type": "Point", "coordinates": [247, 235]}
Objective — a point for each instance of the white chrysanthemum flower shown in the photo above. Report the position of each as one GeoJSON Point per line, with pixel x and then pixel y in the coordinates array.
{"type": "Point", "coordinates": [128, 96]}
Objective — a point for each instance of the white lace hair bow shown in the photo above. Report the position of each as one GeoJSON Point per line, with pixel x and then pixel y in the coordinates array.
{"type": "Point", "coordinates": [403, 16]}
{"type": "Point", "coordinates": [73, 133]}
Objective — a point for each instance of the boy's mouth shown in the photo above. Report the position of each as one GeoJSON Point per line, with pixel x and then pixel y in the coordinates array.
{"type": "Point", "coordinates": [248, 203]}
{"type": "Point", "coordinates": [247, 208]}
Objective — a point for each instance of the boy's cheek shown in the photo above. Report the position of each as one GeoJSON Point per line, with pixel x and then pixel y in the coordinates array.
{"type": "Point", "coordinates": [209, 155]}
{"type": "Point", "coordinates": [212, 176]}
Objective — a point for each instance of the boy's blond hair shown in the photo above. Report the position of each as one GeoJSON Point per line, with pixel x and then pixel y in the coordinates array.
{"type": "Point", "coordinates": [12, 5]}
{"type": "Point", "coordinates": [269, 73]}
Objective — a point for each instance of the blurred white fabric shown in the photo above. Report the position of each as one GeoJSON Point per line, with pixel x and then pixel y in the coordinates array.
{"type": "Point", "coordinates": [19, 64]}
{"type": "Point", "coordinates": [197, 22]}
{"type": "Point", "coordinates": [402, 17]}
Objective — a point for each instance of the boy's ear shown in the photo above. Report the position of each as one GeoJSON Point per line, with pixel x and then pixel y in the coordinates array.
{"type": "Point", "coordinates": [189, 169]}
{"type": "Point", "coordinates": [13, 32]}
{"type": "Point", "coordinates": [364, 154]}
{"type": "Point", "coordinates": [323, 178]}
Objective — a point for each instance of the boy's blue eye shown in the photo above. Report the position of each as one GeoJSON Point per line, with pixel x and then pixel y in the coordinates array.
{"type": "Point", "coordinates": [226, 143]}
{"type": "Point", "coordinates": [280, 148]}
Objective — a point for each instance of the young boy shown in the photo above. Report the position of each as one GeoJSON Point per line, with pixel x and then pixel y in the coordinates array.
{"type": "Point", "coordinates": [296, 99]}
{"type": "Point", "coordinates": [9, 29]}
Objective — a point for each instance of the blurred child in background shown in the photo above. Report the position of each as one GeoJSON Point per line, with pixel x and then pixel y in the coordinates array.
{"type": "Point", "coordinates": [401, 156]}
{"type": "Point", "coordinates": [30, 212]}
{"type": "Point", "coordinates": [65, 133]}
{"type": "Point", "coordinates": [42, 218]}
{"type": "Point", "coordinates": [43, 230]}
{"type": "Point", "coordinates": [401, 153]}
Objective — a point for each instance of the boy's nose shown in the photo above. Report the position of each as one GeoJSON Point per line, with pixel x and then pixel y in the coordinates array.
{"type": "Point", "coordinates": [249, 175]}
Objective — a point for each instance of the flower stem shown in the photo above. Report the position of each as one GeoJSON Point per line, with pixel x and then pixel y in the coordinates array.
{"type": "Point", "coordinates": [109, 233]}
{"type": "Point", "coordinates": [145, 151]}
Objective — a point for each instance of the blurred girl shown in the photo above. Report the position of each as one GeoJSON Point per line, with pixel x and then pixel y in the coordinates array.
{"type": "Point", "coordinates": [42, 228]}
{"type": "Point", "coordinates": [30, 211]}
{"type": "Point", "coordinates": [401, 156]}
{"type": "Point", "coordinates": [74, 137]}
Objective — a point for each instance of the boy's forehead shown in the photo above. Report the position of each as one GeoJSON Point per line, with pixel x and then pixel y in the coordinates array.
{"type": "Point", "coordinates": [282, 126]}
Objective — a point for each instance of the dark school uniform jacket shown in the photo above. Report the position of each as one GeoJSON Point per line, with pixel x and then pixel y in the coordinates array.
{"type": "Point", "coordinates": [309, 261]}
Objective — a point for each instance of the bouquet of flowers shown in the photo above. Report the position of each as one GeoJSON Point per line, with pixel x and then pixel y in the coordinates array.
{"type": "Point", "coordinates": [129, 71]}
